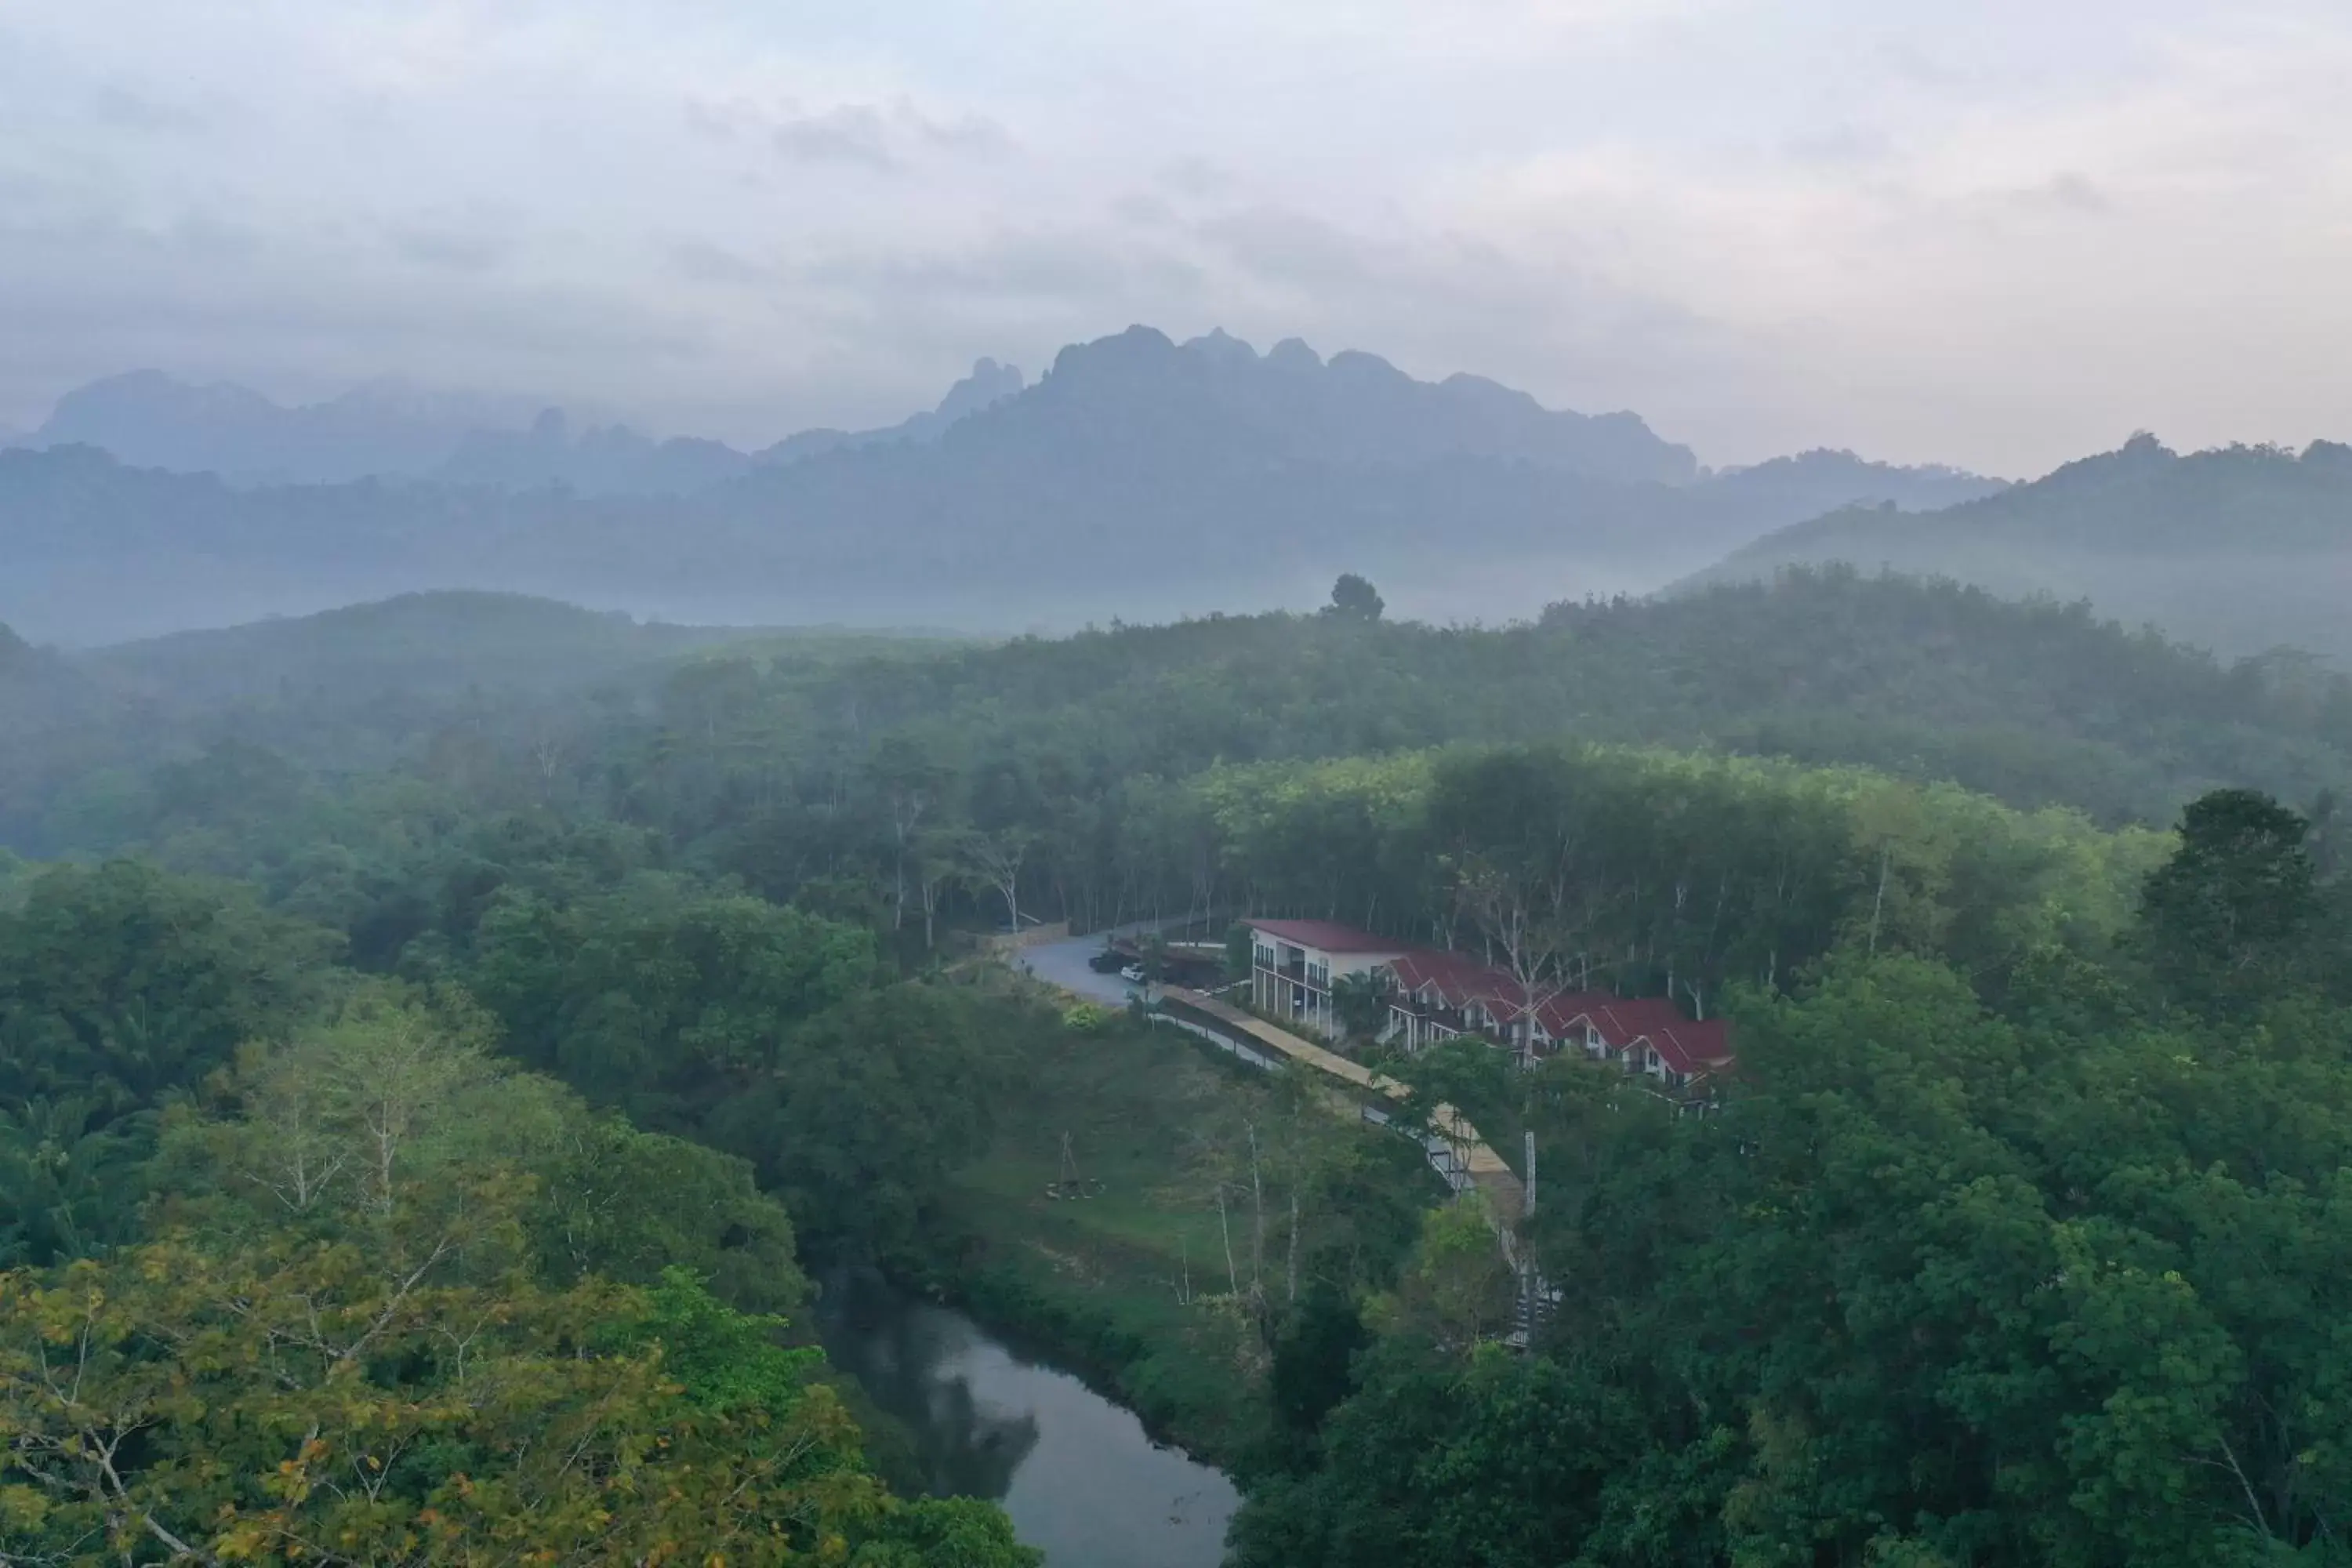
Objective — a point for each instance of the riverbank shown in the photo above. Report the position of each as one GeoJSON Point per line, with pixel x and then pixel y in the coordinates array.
{"type": "Point", "coordinates": [1139, 1286]}
{"type": "Point", "coordinates": [1079, 1475]}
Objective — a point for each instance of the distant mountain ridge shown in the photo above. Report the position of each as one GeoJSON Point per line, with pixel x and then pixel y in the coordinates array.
{"type": "Point", "coordinates": [1356, 408]}
{"type": "Point", "coordinates": [989, 384]}
{"type": "Point", "coordinates": [2239, 549]}
{"type": "Point", "coordinates": [1803, 480]}
{"type": "Point", "coordinates": [1138, 478]}
{"type": "Point", "coordinates": [1353, 409]}
{"type": "Point", "coordinates": [599, 460]}
{"type": "Point", "coordinates": [151, 420]}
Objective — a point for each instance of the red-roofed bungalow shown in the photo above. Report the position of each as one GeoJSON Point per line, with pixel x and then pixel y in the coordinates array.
{"type": "Point", "coordinates": [1649, 1037]}
{"type": "Point", "coordinates": [1437, 996]}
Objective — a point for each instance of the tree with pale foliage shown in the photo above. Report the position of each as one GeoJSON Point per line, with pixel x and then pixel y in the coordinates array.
{"type": "Point", "coordinates": [344, 1346]}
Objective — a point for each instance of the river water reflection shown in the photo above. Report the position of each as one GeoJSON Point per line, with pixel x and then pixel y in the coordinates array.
{"type": "Point", "coordinates": [1077, 1472]}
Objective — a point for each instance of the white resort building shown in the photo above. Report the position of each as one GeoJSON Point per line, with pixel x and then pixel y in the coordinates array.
{"type": "Point", "coordinates": [1294, 962]}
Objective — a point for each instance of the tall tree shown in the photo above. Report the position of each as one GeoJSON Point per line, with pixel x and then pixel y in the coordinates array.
{"type": "Point", "coordinates": [2231, 915]}
{"type": "Point", "coordinates": [1354, 598]}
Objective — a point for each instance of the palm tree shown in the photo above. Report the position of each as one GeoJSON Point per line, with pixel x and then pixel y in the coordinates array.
{"type": "Point", "coordinates": [69, 1179]}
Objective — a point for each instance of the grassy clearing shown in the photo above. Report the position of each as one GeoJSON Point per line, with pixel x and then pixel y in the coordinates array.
{"type": "Point", "coordinates": [1133, 1284]}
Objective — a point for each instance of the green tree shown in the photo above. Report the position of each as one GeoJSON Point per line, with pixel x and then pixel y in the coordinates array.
{"type": "Point", "coordinates": [2231, 915]}
{"type": "Point", "coordinates": [871, 1106]}
{"type": "Point", "coordinates": [344, 1347]}
{"type": "Point", "coordinates": [1455, 1290]}
{"type": "Point", "coordinates": [1313, 1358]}
{"type": "Point", "coordinates": [1354, 598]}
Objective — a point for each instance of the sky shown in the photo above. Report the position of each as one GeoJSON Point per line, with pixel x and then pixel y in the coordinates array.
{"type": "Point", "coordinates": [1997, 235]}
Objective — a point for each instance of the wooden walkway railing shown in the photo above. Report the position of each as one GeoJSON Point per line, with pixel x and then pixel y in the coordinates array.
{"type": "Point", "coordinates": [1506, 1196]}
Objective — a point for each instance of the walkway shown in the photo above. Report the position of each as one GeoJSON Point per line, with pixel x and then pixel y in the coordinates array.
{"type": "Point", "coordinates": [1497, 1183]}
{"type": "Point", "coordinates": [1460, 1154]}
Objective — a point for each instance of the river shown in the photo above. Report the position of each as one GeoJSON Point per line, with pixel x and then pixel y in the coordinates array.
{"type": "Point", "coordinates": [1075, 1471]}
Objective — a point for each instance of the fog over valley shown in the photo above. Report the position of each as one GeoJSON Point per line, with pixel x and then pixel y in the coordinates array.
{"type": "Point", "coordinates": [1540, 783]}
{"type": "Point", "coordinates": [1136, 479]}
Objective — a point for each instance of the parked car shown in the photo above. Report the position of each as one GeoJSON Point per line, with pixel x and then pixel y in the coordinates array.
{"type": "Point", "coordinates": [1108, 961]}
{"type": "Point", "coordinates": [1133, 971]}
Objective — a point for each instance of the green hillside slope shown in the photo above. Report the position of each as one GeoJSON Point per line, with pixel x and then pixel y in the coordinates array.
{"type": "Point", "coordinates": [2243, 549]}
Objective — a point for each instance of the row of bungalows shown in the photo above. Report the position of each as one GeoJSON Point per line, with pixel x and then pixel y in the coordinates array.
{"type": "Point", "coordinates": [1432, 996]}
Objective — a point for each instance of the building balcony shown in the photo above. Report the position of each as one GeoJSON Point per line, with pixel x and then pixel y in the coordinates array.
{"type": "Point", "coordinates": [1293, 975]}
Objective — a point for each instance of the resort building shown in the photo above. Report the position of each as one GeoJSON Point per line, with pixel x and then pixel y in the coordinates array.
{"type": "Point", "coordinates": [1432, 996]}
{"type": "Point", "coordinates": [1294, 962]}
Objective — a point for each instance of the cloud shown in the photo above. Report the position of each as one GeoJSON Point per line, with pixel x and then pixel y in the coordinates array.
{"type": "Point", "coordinates": [700, 261]}
{"type": "Point", "coordinates": [2068, 192]}
{"type": "Point", "coordinates": [1993, 234]}
{"type": "Point", "coordinates": [852, 133]}
{"type": "Point", "coordinates": [873, 137]}
{"type": "Point", "coordinates": [1840, 143]}
{"type": "Point", "coordinates": [128, 108]}
{"type": "Point", "coordinates": [450, 247]}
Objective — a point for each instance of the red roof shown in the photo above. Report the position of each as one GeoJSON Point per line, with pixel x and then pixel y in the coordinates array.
{"type": "Point", "coordinates": [1685, 1046]}
{"type": "Point", "coordinates": [1458, 978]}
{"type": "Point", "coordinates": [1561, 1012]}
{"type": "Point", "coordinates": [1462, 980]}
{"type": "Point", "coordinates": [1327, 936]}
{"type": "Point", "coordinates": [1693, 1048]}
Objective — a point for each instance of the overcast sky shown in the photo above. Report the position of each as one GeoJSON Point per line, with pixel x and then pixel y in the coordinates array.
{"type": "Point", "coordinates": [1999, 234]}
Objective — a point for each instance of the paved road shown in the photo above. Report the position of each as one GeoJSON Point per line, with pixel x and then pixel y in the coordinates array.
{"type": "Point", "coordinates": [1064, 963]}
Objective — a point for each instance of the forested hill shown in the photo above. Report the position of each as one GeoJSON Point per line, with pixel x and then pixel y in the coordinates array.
{"type": "Point", "coordinates": [416, 644]}
{"type": "Point", "coordinates": [1142, 479]}
{"type": "Point", "coordinates": [2038, 703]}
{"type": "Point", "coordinates": [2242, 549]}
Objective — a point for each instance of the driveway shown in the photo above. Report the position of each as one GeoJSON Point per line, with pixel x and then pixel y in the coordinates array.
{"type": "Point", "coordinates": [1064, 963]}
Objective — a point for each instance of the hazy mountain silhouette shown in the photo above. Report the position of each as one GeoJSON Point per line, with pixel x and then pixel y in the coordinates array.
{"type": "Point", "coordinates": [616, 461]}
{"type": "Point", "coordinates": [1357, 408]}
{"type": "Point", "coordinates": [988, 385]}
{"type": "Point", "coordinates": [608, 460]}
{"type": "Point", "coordinates": [1138, 478]}
{"type": "Point", "coordinates": [150, 419]}
{"type": "Point", "coordinates": [1809, 477]}
{"type": "Point", "coordinates": [2239, 549]}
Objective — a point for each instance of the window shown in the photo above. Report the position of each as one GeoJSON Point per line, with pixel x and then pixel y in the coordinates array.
{"type": "Point", "coordinates": [1265, 956]}
{"type": "Point", "coordinates": [1320, 974]}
